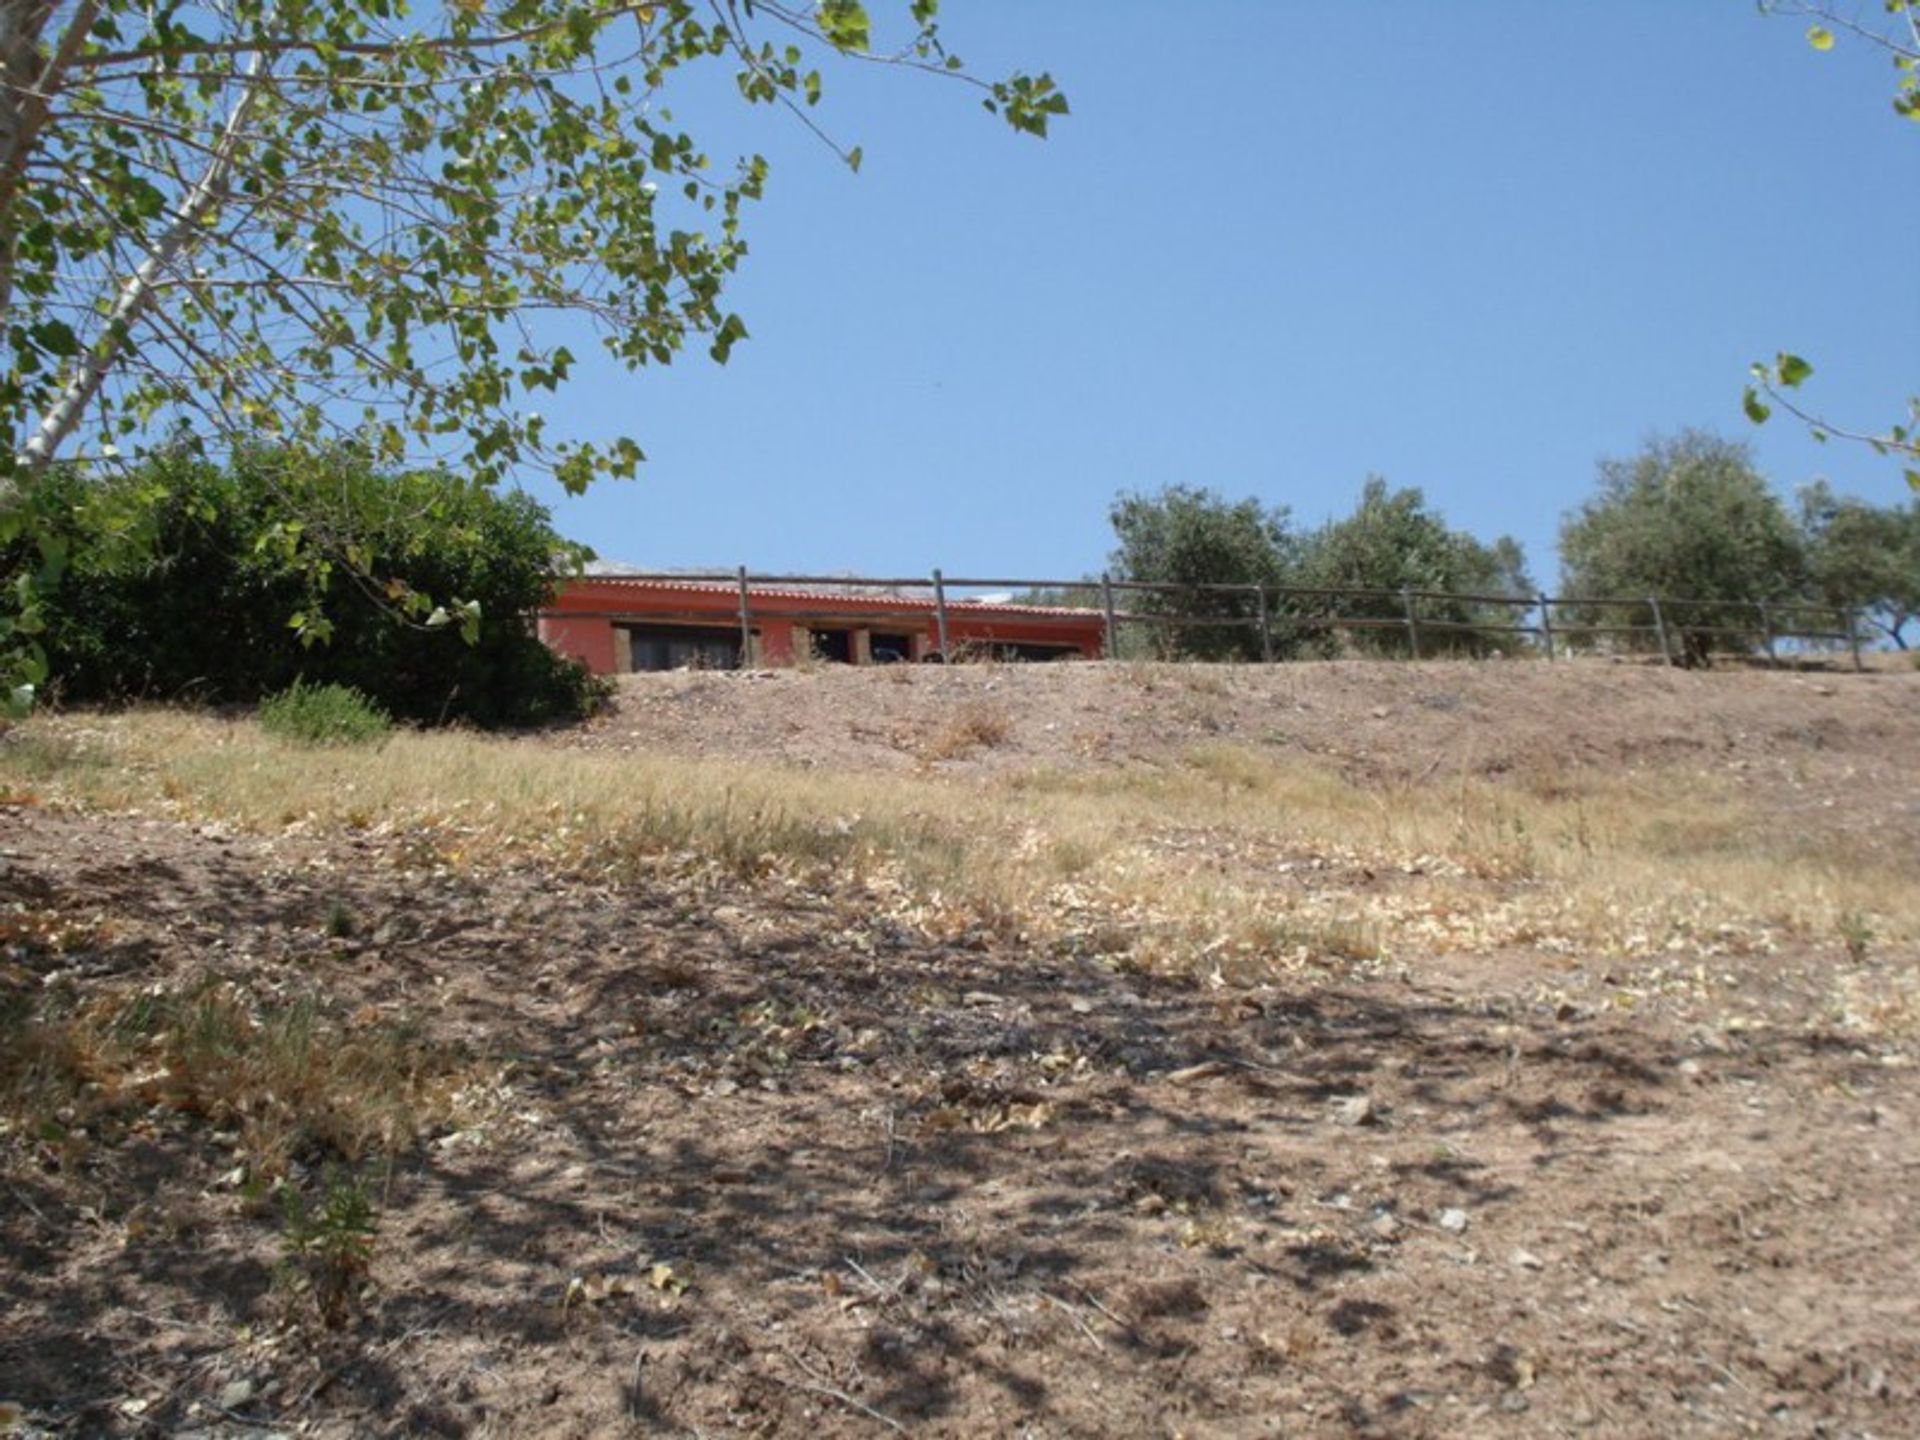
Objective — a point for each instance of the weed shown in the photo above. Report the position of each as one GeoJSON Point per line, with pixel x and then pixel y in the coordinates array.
{"type": "Point", "coordinates": [324, 715]}
{"type": "Point", "coordinates": [978, 726]}
{"type": "Point", "coordinates": [339, 920]}
{"type": "Point", "coordinates": [330, 1244]}
{"type": "Point", "coordinates": [1855, 934]}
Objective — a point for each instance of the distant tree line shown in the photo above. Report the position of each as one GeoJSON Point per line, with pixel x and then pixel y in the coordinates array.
{"type": "Point", "coordinates": [1688, 518]}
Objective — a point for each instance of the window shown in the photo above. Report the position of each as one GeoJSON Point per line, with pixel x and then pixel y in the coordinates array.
{"type": "Point", "coordinates": [682, 647]}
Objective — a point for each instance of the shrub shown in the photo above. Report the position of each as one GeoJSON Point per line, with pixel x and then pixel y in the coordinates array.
{"type": "Point", "coordinates": [324, 715]}
{"type": "Point", "coordinates": [416, 588]}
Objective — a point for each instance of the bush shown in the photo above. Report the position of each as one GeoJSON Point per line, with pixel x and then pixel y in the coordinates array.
{"type": "Point", "coordinates": [418, 589]}
{"type": "Point", "coordinates": [324, 715]}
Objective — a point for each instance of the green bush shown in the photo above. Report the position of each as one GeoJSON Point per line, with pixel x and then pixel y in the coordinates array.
{"type": "Point", "coordinates": [324, 715]}
{"type": "Point", "coordinates": [187, 580]}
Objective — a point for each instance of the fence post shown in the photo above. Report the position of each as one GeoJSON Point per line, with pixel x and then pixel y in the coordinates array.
{"type": "Point", "coordinates": [1113, 623]}
{"type": "Point", "coordinates": [1546, 622]}
{"type": "Point", "coordinates": [1766, 627]}
{"type": "Point", "coordinates": [746, 624]}
{"type": "Point", "coordinates": [1853, 639]}
{"type": "Point", "coordinates": [1660, 626]}
{"type": "Point", "coordinates": [1266, 630]}
{"type": "Point", "coordinates": [1413, 626]}
{"type": "Point", "coordinates": [940, 612]}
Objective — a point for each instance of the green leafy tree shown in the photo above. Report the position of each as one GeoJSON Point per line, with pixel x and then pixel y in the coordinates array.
{"type": "Point", "coordinates": [1189, 539]}
{"type": "Point", "coordinates": [1691, 521]}
{"type": "Point", "coordinates": [1863, 555]}
{"type": "Point", "coordinates": [292, 218]}
{"type": "Point", "coordinates": [155, 551]}
{"type": "Point", "coordinates": [317, 221]}
{"type": "Point", "coordinates": [1394, 541]}
{"type": "Point", "coordinates": [1777, 382]}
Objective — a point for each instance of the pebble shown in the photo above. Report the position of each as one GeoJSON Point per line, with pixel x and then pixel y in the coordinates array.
{"type": "Point", "coordinates": [1453, 1221]}
{"type": "Point", "coordinates": [236, 1394]}
{"type": "Point", "coordinates": [1527, 1260]}
{"type": "Point", "coordinates": [1356, 1110]}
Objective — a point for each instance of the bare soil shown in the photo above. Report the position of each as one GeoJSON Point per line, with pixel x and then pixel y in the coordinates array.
{"type": "Point", "coordinates": [761, 1164]}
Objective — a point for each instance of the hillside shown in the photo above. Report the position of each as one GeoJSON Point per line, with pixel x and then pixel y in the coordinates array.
{"type": "Point", "coordinates": [1076, 1050]}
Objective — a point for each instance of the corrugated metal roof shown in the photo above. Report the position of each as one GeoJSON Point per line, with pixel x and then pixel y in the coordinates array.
{"type": "Point", "coordinates": [916, 603]}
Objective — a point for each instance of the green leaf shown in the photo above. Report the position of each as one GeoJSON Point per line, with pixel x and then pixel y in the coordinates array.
{"type": "Point", "coordinates": [1757, 409]}
{"type": "Point", "coordinates": [845, 24]}
{"type": "Point", "coordinates": [1792, 370]}
{"type": "Point", "coordinates": [1820, 37]}
{"type": "Point", "coordinates": [854, 157]}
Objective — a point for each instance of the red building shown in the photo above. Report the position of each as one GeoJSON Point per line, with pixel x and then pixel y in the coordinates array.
{"type": "Point", "coordinates": [619, 623]}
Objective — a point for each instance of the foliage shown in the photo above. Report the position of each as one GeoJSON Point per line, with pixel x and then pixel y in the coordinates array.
{"type": "Point", "coordinates": [1773, 382]}
{"type": "Point", "coordinates": [1395, 541]}
{"type": "Point", "coordinates": [1193, 538]}
{"type": "Point", "coordinates": [300, 219]}
{"type": "Point", "coordinates": [330, 1245]}
{"type": "Point", "coordinates": [1690, 520]}
{"type": "Point", "coordinates": [190, 579]}
{"type": "Point", "coordinates": [1865, 555]}
{"type": "Point", "coordinates": [324, 715]}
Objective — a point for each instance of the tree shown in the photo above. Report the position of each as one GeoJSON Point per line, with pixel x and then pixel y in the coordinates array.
{"type": "Point", "coordinates": [1394, 541]}
{"type": "Point", "coordinates": [155, 550]}
{"type": "Point", "coordinates": [1691, 521]}
{"type": "Point", "coordinates": [1193, 538]}
{"type": "Point", "coordinates": [1774, 381]}
{"type": "Point", "coordinates": [322, 221]}
{"type": "Point", "coordinates": [1862, 555]}
{"type": "Point", "coordinates": [298, 219]}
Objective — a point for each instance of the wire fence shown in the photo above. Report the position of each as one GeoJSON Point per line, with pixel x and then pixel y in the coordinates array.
{"type": "Point", "coordinates": [1276, 622]}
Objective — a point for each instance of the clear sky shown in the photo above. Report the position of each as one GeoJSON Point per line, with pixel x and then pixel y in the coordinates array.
{"type": "Point", "coordinates": [1278, 246]}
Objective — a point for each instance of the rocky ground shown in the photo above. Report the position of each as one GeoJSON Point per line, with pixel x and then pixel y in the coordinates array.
{"type": "Point", "coordinates": [724, 1157]}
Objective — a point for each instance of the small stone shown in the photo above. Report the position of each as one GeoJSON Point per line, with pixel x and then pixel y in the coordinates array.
{"type": "Point", "coordinates": [1513, 1402]}
{"type": "Point", "coordinates": [236, 1394]}
{"type": "Point", "coordinates": [1454, 1221]}
{"type": "Point", "coordinates": [1526, 1260]}
{"type": "Point", "coordinates": [1384, 1225]}
{"type": "Point", "coordinates": [1356, 1110]}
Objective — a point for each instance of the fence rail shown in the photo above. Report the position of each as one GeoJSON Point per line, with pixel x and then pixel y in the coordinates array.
{"type": "Point", "coordinates": [1275, 615]}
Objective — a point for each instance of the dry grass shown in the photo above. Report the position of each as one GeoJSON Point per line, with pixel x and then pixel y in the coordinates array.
{"type": "Point", "coordinates": [289, 1080]}
{"type": "Point", "coordinates": [1236, 861]}
{"type": "Point", "coordinates": [977, 726]}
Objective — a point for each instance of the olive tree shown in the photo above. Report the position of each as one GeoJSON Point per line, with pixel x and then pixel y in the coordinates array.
{"type": "Point", "coordinates": [1188, 539]}
{"type": "Point", "coordinates": [1394, 541]}
{"type": "Point", "coordinates": [1864, 555]}
{"type": "Point", "coordinates": [1688, 520]}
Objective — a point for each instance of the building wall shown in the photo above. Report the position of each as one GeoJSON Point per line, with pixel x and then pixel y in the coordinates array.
{"type": "Point", "coordinates": [584, 620]}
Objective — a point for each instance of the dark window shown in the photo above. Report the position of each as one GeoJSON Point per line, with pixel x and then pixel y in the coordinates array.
{"type": "Point", "coordinates": [678, 647]}
{"type": "Point", "coordinates": [834, 645]}
{"type": "Point", "coordinates": [890, 649]}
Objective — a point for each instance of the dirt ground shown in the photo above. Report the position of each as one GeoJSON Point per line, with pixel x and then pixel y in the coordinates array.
{"type": "Point", "coordinates": [753, 1162]}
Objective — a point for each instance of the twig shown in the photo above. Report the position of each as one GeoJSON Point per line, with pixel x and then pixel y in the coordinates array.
{"type": "Point", "coordinates": [1073, 1314]}
{"type": "Point", "coordinates": [1094, 1300]}
{"type": "Point", "coordinates": [833, 1392]}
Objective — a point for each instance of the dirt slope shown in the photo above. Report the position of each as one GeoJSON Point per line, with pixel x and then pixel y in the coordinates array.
{"type": "Point", "coordinates": [957, 1185]}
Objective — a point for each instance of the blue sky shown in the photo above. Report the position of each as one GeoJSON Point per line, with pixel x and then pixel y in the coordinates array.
{"type": "Point", "coordinates": [1277, 247]}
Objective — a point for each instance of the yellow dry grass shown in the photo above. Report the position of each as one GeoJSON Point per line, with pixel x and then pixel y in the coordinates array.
{"type": "Point", "coordinates": [1236, 861]}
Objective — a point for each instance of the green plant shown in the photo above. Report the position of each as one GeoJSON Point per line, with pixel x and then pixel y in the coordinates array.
{"type": "Point", "coordinates": [324, 715]}
{"type": "Point", "coordinates": [417, 588]}
{"type": "Point", "coordinates": [1690, 520]}
{"type": "Point", "coordinates": [1855, 934]}
{"type": "Point", "coordinates": [330, 1244]}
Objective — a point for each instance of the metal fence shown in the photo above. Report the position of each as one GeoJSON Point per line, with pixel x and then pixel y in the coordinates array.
{"type": "Point", "coordinates": [1422, 623]}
